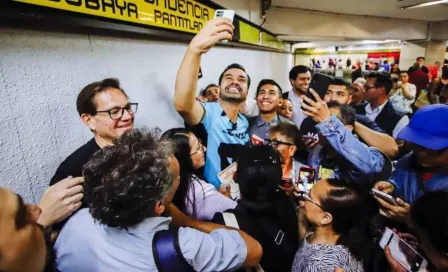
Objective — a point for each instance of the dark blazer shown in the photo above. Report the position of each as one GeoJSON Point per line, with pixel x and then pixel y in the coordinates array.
{"type": "Point", "coordinates": [387, 119]}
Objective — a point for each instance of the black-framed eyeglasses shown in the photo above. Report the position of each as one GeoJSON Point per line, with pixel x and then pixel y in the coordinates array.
{"type": "Point", "coordinates": [201, 148]}
{"type": "Point", "coordinates": [117, 113]}
{"type": "Point", "coordinates": [275, 143]}
{"type": "Point", "coordinates": [367, 87]}
{"type": "Point", "coordinates": [303, 196]}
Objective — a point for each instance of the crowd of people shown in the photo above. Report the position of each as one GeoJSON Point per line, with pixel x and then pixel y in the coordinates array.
{"type": "Point", "coordinates": [283, 186]}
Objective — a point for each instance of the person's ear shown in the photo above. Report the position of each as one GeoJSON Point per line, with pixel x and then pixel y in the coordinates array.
{"type": "Point", "coordinates": [326, 219]}
{"type": "Point", "coordinates": [159, 208]}
{"type": "Point", "coordinates": [88, 120]}
{"type": "Point", "coordinates": [292, 150]}
{"type": "Point", "coordinates": [280, 101]}
{"type": "Point", "coordinates": [350, 97]}
{"type": "Point", "coordinates": [349, 127]}
{"type": "Point", "coordinates": [291, 81]}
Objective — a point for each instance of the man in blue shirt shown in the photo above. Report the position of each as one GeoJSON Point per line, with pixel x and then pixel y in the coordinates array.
{"type": "Point", "coordinates": [225, 125]}
{"type": "Point", "coordinates": [128, 187]}
{"type": "Point", "coordinates": [425, 168]}
{"type": "Point", "coordinates": [339, 154]}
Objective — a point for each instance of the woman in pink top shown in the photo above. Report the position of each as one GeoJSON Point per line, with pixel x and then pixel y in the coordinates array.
{"type": "Point", "coordinates": [195, 197]}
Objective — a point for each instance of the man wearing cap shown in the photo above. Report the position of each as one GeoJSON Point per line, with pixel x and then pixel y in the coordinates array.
{"type": "Point", "coordinates": [425, 168]}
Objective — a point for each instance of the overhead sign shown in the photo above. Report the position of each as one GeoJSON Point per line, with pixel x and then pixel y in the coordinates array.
{"type": "Point", "coordinates": [182, 15]}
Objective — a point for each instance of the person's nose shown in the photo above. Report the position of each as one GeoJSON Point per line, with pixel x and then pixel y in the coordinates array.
{"type": "Point", "coordinates": [126, 115]}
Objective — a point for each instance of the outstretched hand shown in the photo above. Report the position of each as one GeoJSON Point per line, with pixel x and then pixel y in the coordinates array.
{"type": "Point", "coordinates": [317, 110]}
{"type": "Point", "coordinates": [213, 31]}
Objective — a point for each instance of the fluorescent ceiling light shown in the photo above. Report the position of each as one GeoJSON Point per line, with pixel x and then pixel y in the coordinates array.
{"type": "Point", "coordinates": [409, 4]}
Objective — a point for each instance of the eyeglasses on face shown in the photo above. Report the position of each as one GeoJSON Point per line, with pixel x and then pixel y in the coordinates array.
{"type": "Point", "coordinates": [200, 148]}
{"type": "Point", "coordinates": [117, 113]}
{"type": "Point", "coordinates": [367, 87]}
{"type": "Point", "coordinates": [303, 196]}
{"type": "Point", "coordinates": [275, 143]}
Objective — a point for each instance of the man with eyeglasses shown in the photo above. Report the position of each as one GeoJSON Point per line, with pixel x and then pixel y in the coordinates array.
{"type": "Point", "coordinates": [105, 109]}
{"type": "Point", "coordinates": [379, 108]}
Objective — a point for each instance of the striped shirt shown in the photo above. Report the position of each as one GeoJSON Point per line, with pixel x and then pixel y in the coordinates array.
{"type": "Point", "coordinates": [324, 258]}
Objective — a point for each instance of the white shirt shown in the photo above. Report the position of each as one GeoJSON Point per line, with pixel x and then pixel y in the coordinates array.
{"type": "Point", "coordinates": [401, 103]}
{"type": "Point", "coordinates": [373, 114]}
{"type": "Point", "coordinates": [298, 115]}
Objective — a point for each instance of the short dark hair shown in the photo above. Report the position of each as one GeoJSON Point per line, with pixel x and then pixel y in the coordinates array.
{"type": "Point", "coordinates": [259, 174]}
{"type": "Point", "coordinates": [124, 181]}
{"type": "Point", "coordinates": [404, 72]}
{"type": "Point", "coordinates": [296, 70]}
{"type": "Point", "coordinates": [347, 113]}
{"type": "Point", "coordinates": [290, 130]}
{"type": "Point", "coordinates": [235, 66]}
{"type": "Point", "coordinates": [203, 91]}
{"type": "Point", "coordinates": [382, 80]}
{"type": "Point", "coordinates": [341, 82]}
{"type": "Point", "coordinates": [268, 81]}
{"type": "Point", "coordinates": [429, 214]}
{"type": "Point", "coordinates": [423, 58]}
{"type": "Point", "coordinates": [85, 103]}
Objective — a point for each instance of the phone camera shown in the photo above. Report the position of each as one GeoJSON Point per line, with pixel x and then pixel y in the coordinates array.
{"type": "Point", "coordinates": [219, 12]}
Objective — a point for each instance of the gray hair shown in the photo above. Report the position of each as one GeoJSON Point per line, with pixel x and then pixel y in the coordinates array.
{"type": "Point", "coordinates": [124, 182]}
{"type": "Point", "coordinates": [360, 80]}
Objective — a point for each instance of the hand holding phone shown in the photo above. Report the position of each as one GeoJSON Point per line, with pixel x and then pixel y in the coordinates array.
{"type": "Point", "coordinates": [225, 13]}
{"type": "Point", "coordinates": [211, 33]}
{"type": "Point", "coordinates": [319, 83]}
{"type": "Point", "coordinates": [402, 252]}
{"type": "Point", "coordinates": [386, 197]}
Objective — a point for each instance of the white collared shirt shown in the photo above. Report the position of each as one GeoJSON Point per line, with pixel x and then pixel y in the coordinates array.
{"type": "Point", "coordinates": [373, 114]}
{"type": "Point", "coordinates": [298, 115]}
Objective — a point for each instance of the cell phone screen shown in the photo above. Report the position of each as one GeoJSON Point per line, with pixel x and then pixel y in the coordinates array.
{"type": "Point", "coordinates": [319, 83]}
{"type": "Point", "coordinates": [404, 253]}
{"type": "Point", "coordinates": [307, 178]}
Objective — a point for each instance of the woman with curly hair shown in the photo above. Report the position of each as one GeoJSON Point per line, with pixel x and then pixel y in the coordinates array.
{"type": "Point", "coordinates": [195, 197]}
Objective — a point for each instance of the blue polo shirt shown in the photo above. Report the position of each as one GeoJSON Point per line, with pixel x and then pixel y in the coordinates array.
{"type": "Point", "coordinates": [86, 245]}
{"type": "Point", "coordinates": [220, 131]}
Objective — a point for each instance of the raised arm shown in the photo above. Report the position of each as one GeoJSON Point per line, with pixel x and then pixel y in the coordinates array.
{"type": "Point", "coordinates": [186, 81]}
{"type": "Point", "coordinates": [380, 141]}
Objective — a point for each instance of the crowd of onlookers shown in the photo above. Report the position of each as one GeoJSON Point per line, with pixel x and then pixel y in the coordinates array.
{"type": "Point", "coordinates": [282, 182]}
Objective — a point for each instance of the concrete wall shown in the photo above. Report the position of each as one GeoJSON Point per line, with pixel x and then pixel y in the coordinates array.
{"type": "Point", "coordinates": [42, 72]}
{"type": "Point", "coordinates": [409, 52]}
{"type": "Point", "coordinates": [435, 51]}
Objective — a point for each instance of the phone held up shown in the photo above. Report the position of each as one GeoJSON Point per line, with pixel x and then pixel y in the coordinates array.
{"type": "Point", "coordinates": [386, 197]}
{"type": "Point", "coordinates": [319, 83]}
{"type": "Point", "coordinates": [225, 13]}
{"type": "Point", "coordinates": [306, 179]}
{"type": "Point", "coordinates": [403, 253]}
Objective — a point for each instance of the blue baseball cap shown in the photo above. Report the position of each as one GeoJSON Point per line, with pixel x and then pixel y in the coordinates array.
{"type": "Point", "coordinates": [428, 127]}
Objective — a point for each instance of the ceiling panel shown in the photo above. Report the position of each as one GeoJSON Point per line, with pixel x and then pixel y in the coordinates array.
{"type": "Point", "coordinates": [381, 8]}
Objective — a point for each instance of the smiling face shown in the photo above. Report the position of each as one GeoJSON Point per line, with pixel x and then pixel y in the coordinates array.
{"type": "Point", "coordinates": [101, 123]}
{"type": "Point", "coordinates": [302, 82]}
{"type": "Point", "coordinates": [234, 85]}
{"type": "Point", "coordinates": [212, 94]}
{"type": "Point", "coordinates": [268, 98]}
{"type": "Point", "coordinates": [22, 241]}
{"type": "Point", "coordinates": [286, 109]}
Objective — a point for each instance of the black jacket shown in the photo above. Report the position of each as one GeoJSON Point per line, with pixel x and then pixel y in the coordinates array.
{"type": "Point", "coordinates": [387, 119]}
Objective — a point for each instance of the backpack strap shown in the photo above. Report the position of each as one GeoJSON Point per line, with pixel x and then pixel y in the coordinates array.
{"type": "Point", "coordinates": [167, 253]}
{"type": "Point", "coordinates": [230, 221]}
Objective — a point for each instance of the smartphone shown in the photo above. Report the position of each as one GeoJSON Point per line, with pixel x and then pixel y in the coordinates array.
{"type": "Point", "coordinates": [307, 178]}
{"type": "Point", "coordinates": [319, 83]}
{"type": "Point", "coordinates": [225, 13]}
{"type": "Point", "coordinates": [386, 197]}
{"type": "Point", "coordinates": [406, 255]}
